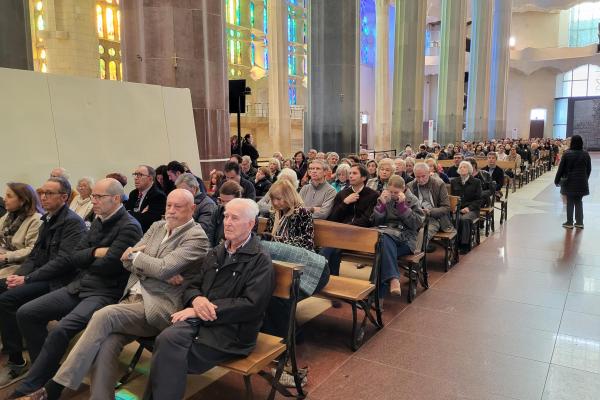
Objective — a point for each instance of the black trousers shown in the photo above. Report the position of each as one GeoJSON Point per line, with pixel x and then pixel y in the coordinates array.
{"type": "Point", "coordinates": [465, 223]}
{"type": "Point", "coordinates": [575, 202]}
{"type": "Point", "coordinates": [10, 301]}
{"type": "Point", "coordinates": [47, 349]}
{"type": "Point", "coordinates": [175, 355]}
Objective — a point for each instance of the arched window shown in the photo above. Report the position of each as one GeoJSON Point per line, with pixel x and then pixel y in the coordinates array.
{"type": "Point", "coordinates": [110, 26]}
{"type": "Point", "coordinates": [583, 24]}
{"type": "Point", "coordinates": [102, 69]}
{"type": "Point", "coordinates": [112, 70]}
{"type": "Point", "coordinates": [99, 21]}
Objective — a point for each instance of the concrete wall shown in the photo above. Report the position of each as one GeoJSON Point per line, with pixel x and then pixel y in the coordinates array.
{"type": "Point", "coordinates": [90, 127]}
{"type": "Point", "coordinates": [536, 29]}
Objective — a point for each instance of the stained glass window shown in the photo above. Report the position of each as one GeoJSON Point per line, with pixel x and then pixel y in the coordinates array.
{"type": "Point", "coordinates": [583, 24]}
{"type": "Point", "coordinates": [367, 32]}
{"type": "Point", "coordinates": [102, 69]}
{"type": "Point", "coordinates": [252, 14]}
{"type": "Point", "coordinates": [108, 20]}
{"type": "Point", "coordinates": [112, 70]}
{"type": "Point", "coordinates": [110, 26]}
{"type": "Point", "coordinates": [100, 21]}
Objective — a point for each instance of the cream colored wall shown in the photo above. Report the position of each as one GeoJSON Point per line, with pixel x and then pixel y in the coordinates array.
{"type": "Point", "coordinates": [536, 29]}
{"type": "Point", "coordinates": [526, 92]}
{"type": "Point", "coordinates": [90, 127]}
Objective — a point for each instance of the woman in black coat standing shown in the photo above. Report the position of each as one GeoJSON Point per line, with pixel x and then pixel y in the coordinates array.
{"type": "Point", "coordinates": [572, 176]}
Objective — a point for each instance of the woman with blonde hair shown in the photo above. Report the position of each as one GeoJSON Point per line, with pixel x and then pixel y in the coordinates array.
{"type": "Point", "coordinates": [274, 168]}
{"type": "Point", "coordinates": [289, 222]}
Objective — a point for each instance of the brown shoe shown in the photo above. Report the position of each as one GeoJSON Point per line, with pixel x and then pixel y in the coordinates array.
{"type": "Point", "coordinates": [395, 287]}
{"type": "Point", "coordinates": [39, 394]}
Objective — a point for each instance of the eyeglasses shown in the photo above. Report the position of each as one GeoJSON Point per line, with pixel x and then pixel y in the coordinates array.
{"type": "Point", "coordinates": [48, 193]}
{"type": "Point", "coordinates": [99, 196]}
{"type": "Point", "coordinates": [138, 175]}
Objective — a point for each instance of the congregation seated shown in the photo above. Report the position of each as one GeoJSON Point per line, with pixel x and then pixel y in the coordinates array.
{"type": "Point", "coordinates": [399, 217]}
{"type": "Point", "coordinates": [452, 171]}
{"type": "Point", "coordinates": [146, 202]}
{"type": "Point", "coordinates": [510, 154]}
{"type": "Point", "coordinates": [289, 221]}
{"type": "Point", "coordinates": [469, 190]}
{"type": "Point", "coordinates": [247, 169]}
{"type": "Point", "coordinates": [40, 273]}
{"type": "Point", "coordinates": [205, 206]}
{"type": "Point", "coordinates": [176, 168]}
{"type": "Point", "coordinates": [353, 206]}
{"type": "Point", "coordinates": [169, 249]}
{"type": "Point", "coordinates": [422, 154]}
{"type": "Point", "coordinates": [496, 172]}
{"type": "Point", "coordinates": [487, 184]}
{"type": "Point", "coordinates": [262, 181]}
{"type": "Point", "coordinates": [228, 191]}
{"type": "Point", "coordinates": [20, 226]}
{"type": "Point", "coordinates": [82, 203]}
{"type": "Point", "coordinates": [232, 173]}
{"type": "Point", "coordinates": [99, 281]}
{"type": "Point", "coordinates": [434, 170]}
{"type": "Point", "coordinates": [264, 204]}
{"type": "Point", "coordinates": [317, 194]}
{"type": "Point", "coordinates": [340, 181]}
{"type": "Point", "coordinates": [385, 169]}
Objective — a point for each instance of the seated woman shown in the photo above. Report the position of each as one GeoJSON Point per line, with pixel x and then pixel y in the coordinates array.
{"type": "Point", "coordinates": [215, 180]}
{"type": "Point", "coordinates": [264, 205]}
{"type": "Point", "coordinates": [289, 222]}
{"type": "Point", "coordinates": [372, 168]}
{"type": "Point", "coordinates": [487, 184]}
{"type": "Point", "coordinates": [162, 180]}
{"type": "Point", "coordinates": [410, 164]}
{"type": "Point", "coordinates": [400, 216]}
{"type": "Point", "coordinates": [82, 203]}
{"type": "Point", "coordinates": [274, 168]}
{"type": "Point", "coordinates": [385, 169]}
{"type": "Point", "coordinates": [435, 171]}
{"type": "Point", "coordinates": [262, 181]}
{"type": "Point", "coordinates": [20, 226]}
{"type": "Point", "coordinates": [227, 192]}
{"type": "Point", "coordinates": [469, 190]}
{"type": "Point", "coordinates": [341, 177]}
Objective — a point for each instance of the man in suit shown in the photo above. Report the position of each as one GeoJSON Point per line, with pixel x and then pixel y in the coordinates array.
{"type": "Point", "coordinates": [146, 202]}
{"type": "Point", "coordinates": [100, 281]}
{"type": "Point", "coordinates": [153, 293]}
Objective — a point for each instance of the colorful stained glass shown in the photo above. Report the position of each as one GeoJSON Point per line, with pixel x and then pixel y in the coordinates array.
{"type": "Point", "coordinates": [110, 26]}
{"type": "Point", "coordinates": [102, 69]}
{"type": "Point", "coordinates": [583, 24]}
{"type": "Point", "coordinates": [252, 14]}
{"type": "Point", "coordinates": [41, 25]}
{"type": "Point", "coordinates": [112, 70]}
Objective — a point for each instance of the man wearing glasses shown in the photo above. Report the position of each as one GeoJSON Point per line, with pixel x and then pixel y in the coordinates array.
{"type": "Point", "coordinates": [146, 202]}
{"type": "Point", "coordinates": [100, 281]}
{"type": "Point", "coordinates": [41, 273]}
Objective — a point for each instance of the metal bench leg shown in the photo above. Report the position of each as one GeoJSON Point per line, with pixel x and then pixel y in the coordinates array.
{"type": "Point", "coordinates": [358, 333]}
{"type": "Point", "coordinates": [131, 367]}
{"type": "Point", "coordinates": [248, 385]}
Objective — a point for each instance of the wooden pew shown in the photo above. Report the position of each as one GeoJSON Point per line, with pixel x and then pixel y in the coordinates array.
{"type": "Point", "coordinates": [449, 239]}
{"type": "Point", "coordinates": [512, 165]}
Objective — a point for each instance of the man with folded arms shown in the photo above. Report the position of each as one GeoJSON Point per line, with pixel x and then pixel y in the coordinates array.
{"type": "Point", "coordinates": [100, 281]}
{"type": "Point", "coordinates": [153, 293]}
{"type": "Point", "coordinates": [318, 195]}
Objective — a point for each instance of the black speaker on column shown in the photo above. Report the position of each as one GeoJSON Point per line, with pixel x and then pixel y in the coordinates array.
{"type": "Point", "coordinates": [237, 98]}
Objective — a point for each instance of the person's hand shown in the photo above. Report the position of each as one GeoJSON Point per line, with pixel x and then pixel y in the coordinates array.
{"type": "Point", "coordinates": [145, 210]}
{"type": "Point", "coordinates": [13, 281]}
{"type": "Point", "coordinates": [385, 196]}
{"type": "Point", "coordinates": [125, 256]}
{"type": "Point", "coordinates": [353, 198]}
{"type": "Point", "coordinates": [100, 252]}
{"type": "Point", "coordinates": [175, 280]}
{"type": "Point", "coordinates": [183, 315]}
{"type": "Point", "coordinates": [465, 210]}
{"type": "Point", "coordinates": [2, 257]}
{"type": "Point", "coordinates": [401, 197]}
{"type": "Point", "coordinates": [315, 209]}
{"type": "Point", "coordinates": [205, 310]}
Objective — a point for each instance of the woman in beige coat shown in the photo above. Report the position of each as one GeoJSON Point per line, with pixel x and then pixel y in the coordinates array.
{"type": "Point", "coordinates": [19, 227]}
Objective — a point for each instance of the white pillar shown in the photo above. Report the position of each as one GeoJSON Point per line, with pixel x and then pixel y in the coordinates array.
{"type": "Point", "coordinates": [382, 73]}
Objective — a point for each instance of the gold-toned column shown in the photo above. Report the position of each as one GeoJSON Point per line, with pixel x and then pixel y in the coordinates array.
{"type": "Point", "coordinates": [382, 72]}
{"type": "Point", "coordinates": [451, 86]}
{"type": "Point", "coordinates": [409, 71]}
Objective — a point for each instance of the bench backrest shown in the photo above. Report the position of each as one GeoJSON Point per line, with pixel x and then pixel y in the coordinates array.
{"type": "Point", "coordinates": [284, 278]}
{"type": "Point", "coordinates": [345, 237]}
{"type": "Point", "coordinates": [507, 164]}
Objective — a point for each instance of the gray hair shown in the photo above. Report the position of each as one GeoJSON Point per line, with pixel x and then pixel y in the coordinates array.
{"type": "Point", "coordinates": [88, 180]}
{"type": "Point", "coordinates": [468, 164]}
{"type": "Point", "coordinates": [114, 187]}
{"type": "Point", "coordinates": [342, 168]}
{"type": "Point", "coordinates": [321, 163]}
{"type": "Point", "coordinates": [333, 153]}
{"type": "Point", "coordinates": [276, 162]}
{"type": "Point", "coordinates": [421, 166]}
{"type": "Point", "coordinates": [189, 179]}
{"type": "Point", "coordinates": [247, 158]}
{"type": "Point", "coordinates": [289, 174]}
{"type": "Point", "coordinates": [63, 172]}
{"type": "Point", "coordinates": [249, 207]}
{"type": "Point", "coordinates": [386, 161]}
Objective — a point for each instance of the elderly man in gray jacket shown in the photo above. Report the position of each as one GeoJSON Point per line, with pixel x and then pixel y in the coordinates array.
{"type": "Point", "coordinates": [318, 195]}
{"type": "Point", "coordinates": [153, 293]}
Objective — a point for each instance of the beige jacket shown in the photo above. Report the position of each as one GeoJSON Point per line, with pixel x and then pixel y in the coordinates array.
{"type": "Point", "coordinates": [24, 238]}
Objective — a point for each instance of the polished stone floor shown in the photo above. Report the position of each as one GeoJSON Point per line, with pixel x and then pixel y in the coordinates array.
{"type": "Point", "coordinates": [517, 318]}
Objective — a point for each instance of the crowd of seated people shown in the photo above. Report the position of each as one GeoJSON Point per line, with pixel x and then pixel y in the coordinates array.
{"type": "Point", "coordinates": [160, 261]}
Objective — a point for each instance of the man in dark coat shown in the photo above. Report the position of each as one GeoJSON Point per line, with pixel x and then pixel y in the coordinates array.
{"type": "Point", "coordinates": [41, 273]}
{"type": "Point", "coordinates": [146, 202]}
{"type": "Point", "coordinates": [469, 190]}
{"type": "Point", "coordinates": [205, 206]}
{"type": "Point", "coordinates": [100, 281]}
{"type": "Point", "coordinates": [226, 303]}
{"type": "Point", "coordinates": [233, 173]}
{"type": "Point", "coordinates": [496, 172]}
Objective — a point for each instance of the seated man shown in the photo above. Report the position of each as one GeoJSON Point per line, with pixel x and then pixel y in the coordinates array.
{"type": "Point", "coordinates": [496, 172]}
{"type": "Point", "coordinates": [399, 210]}
{"type": "Point", "coordinates": [353, 206]}
{"type": "Point", "coordinates": [41, 273]}
{"type": "Point", "coordinates": [216, 231]}
{"type": "Point", "coordinates": [146, 202]}
{"type": "Point", "coordinates": [225, 303]}
{"type": "Point", "coordinates": [487, 184]}
{"type": "Point", "coordinates": [176, 168]}
{"type": "Point", "coordinates": [152, 295]}
{"type": "Point", "coordinates": [205, 206]}
{"type": "Point", "coordinates": [232, 173]}
{"type": "Point", "coordinates": [318, 195]}
{"type": "Point", "coordinates": [469, 190]}
{"type": "Point", "coordinates": [248, 171]}
{"type": "Point", "coordinates": [452, 172]}
{"type": "Point", "coordinates": [100, 282]}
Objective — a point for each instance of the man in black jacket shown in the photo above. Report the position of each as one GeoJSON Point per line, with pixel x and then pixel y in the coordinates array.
{"type": "Point", "coordinates": [496, 172]}
{"type": "Point", "coordinates": [100, 281]}
{"type": "Point", "coordinates": [61, 230]}
{"type": "Point", "coordinates": [205, 206]}
{"type": "Point", "coordinates": [225, 302]}
{"type": "Point", "coordinates": [233, 173]}
{"type": "Point", "coordinates": [146, 202]}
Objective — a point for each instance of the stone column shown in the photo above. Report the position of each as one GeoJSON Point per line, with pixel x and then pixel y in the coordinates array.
{"type": "Point", "coordinates": [382, 73]}
{"type": "Point", "coordinates": [499, 68]}
{"type": "Point", "coordinates": [409, 71]}
{"type": "Point", "coordinates": [479, 71]}
{"type": "Point", "coordinates": [451, 86]}
{"type": "Point", "coordinates": [334, 76]}
{"type": "Point", "coordinates": [15, 35]}
{"type": "Point", "coordinates": [183, 45]}
{"type": "Point", "coordinates": [279, 105]}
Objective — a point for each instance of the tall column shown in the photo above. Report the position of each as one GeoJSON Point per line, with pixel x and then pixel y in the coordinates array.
{"type": "Point", "coordinates": [451, 83]}
{"type": "Point", "coordinates": [382, 73]}
{"type": "Point", "coordinates": [279, 108]}
{"type": "Point", "coordinates": [334, 76]}
{"type": "Point", "coordinates": [409, 71]}
{"type": "Point", "coordinates": [499, 68]}
{"type": "Point", "coordinates": [479, 71]}
{"type": "Point", "coordinates": [15, 35]}
{"type": "Point", "coordinates": [183, 45]}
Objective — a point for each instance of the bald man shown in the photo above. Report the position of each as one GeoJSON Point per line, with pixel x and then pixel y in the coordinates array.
{"type": "Point", "coordinates": [153, 293]}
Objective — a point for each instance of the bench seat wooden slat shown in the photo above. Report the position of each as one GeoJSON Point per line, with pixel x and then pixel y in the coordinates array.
{"type": "Point", "coordinates": [347, 288]}
{"type": "Point", "coordinates": [445, 235]}
{"type": "Point", "coordinates": [267, 349]}
{"type": "Point", "coordinates": [412, 258]}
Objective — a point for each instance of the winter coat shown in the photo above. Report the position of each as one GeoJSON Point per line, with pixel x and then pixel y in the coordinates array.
{"type": "Point", "coordinates": [574, 169]}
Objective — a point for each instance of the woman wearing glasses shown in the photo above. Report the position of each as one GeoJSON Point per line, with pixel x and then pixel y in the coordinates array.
{"type": "Point", "coordinates": [19, 227]}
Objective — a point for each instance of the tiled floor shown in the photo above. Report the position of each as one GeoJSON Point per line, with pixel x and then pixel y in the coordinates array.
{"type": "Point", "coordinates": [517, 318]}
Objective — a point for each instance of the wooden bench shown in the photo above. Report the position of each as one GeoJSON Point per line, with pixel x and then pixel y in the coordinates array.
{"type": "Point", "coordinates": [416, 264]}
{"type": "Point", "coordinates": [481, 162]}
{"type": "Point", "coordinates": [512, 166]}
{"type": "Point", "coordinates": [449, 239]}
{"type": "Point", "coordinates": [268, 348]}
